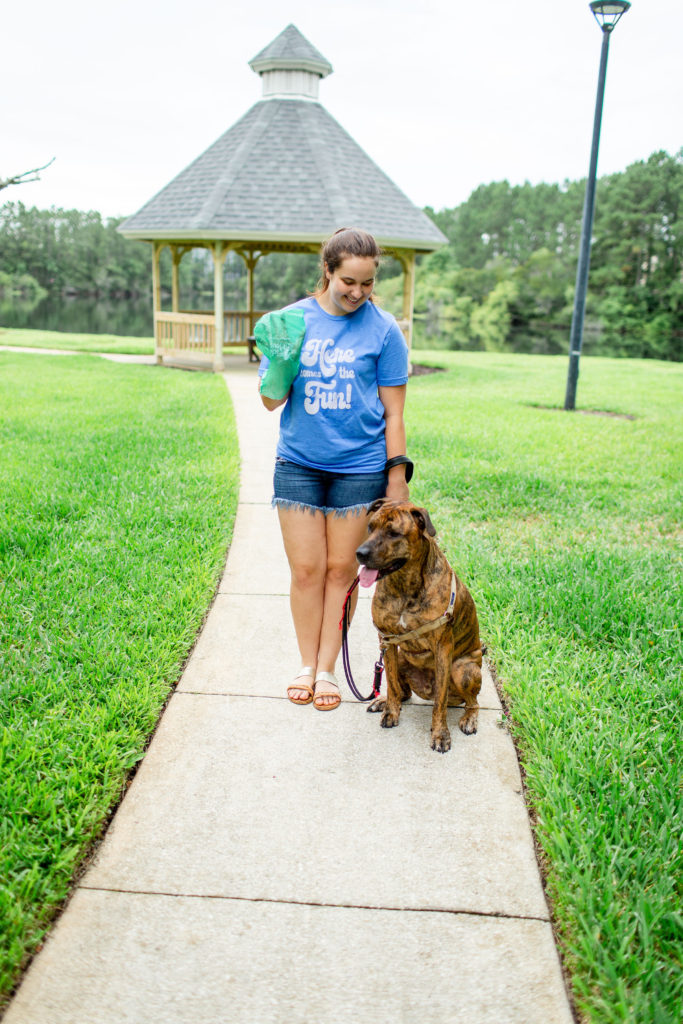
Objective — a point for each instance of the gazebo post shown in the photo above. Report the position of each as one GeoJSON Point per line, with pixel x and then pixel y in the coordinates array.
{"type": "Point", "coordinates": [156, 298]}
{"type": "Point", "coordinates": [219, 254]}
{"type": "Point", "coordinates": [251, 260]}
{"type": "Point", "coordinates": [407, 260]}
{"type": "Point", "coordinates": [175, 277]}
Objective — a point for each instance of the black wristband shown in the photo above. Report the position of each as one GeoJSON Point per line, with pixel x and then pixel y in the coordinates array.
{"type": "Point", "coordinates": [400, 460]}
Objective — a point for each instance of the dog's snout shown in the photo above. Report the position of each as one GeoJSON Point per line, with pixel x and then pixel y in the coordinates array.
{"type": "Point", "coordinates": [363, 552]}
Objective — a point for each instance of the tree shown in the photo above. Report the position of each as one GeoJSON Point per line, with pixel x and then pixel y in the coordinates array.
{"type": "Point", "coordinates": [21, 179]}
{"type": "Point", "coordinates": [528, 235]}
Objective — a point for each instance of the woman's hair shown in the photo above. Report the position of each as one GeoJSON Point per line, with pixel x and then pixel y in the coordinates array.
{"type": "Point", "coordinates": [345, 242]}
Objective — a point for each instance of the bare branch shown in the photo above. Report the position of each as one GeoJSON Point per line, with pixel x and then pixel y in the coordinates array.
{"type": "Point", "coordinates": [21, 179]}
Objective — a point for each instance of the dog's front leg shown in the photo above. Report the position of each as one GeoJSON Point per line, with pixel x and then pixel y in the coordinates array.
{"type": "Point", "coordinates": [441, 737]}
{"type": "Point", "coordinates": [392, 707]}
{"type": "Point", "coordinates": [466, 681]}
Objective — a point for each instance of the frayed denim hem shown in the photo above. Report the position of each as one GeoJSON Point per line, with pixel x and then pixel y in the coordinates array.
{"type": "Point", "coordinates": [339, 513]}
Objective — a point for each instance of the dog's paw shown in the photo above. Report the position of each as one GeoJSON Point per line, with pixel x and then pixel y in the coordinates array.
{"type": "Point", "coordinates": [377, 705]}
{"type": "Point", "coordinates": [388, 720]}
{"type": "Point", "coordinates": [441, 741]}
{"type": "Point", "coordinates": [468, 722]}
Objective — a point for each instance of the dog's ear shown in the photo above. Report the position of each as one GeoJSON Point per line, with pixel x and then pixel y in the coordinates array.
{"type": "Point", "coordinates": [421, 517]}
{"type": "Point", "coordinates": [377, 503]}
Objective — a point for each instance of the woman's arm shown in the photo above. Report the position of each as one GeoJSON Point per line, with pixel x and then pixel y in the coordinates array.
{"type": "Point", "coordinates": [394, 400]}
{"type": "Point", "coordinates": [271, 403]}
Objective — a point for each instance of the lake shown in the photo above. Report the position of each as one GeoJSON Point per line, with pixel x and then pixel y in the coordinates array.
{"type": "Point", "coordinates": [127, 317]}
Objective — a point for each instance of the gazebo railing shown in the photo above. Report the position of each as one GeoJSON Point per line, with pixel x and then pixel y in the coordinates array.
{"type": "Point", "coordinates": [192, 332]}
{"type": "Point", "coordinates": [238, 324]}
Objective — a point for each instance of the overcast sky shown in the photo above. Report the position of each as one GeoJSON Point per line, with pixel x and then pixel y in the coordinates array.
{"type": "Point", "coordinates": [444, 95]}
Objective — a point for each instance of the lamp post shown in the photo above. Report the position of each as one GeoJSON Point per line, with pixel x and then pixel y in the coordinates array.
{"type": "Point", "coordinates": [607, 14]}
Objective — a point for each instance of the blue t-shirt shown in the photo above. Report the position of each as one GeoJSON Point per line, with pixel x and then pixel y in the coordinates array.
{"type": "Point", "coordinates": [333, 418]}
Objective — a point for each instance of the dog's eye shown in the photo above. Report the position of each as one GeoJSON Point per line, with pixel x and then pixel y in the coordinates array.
{"type": "Point", "coordinates": [391, 532]}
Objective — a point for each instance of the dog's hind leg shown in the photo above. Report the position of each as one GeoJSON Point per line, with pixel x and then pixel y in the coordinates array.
{"type": "Point", "coordinates": [466, 683]}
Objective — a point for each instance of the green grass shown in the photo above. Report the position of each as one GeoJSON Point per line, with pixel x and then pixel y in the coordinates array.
{"type": "Point", "coordinates": [117, 492]}
{"type": "Point", "coordinates": [118, 489]}
{"type": "Point", "coordinates": [19, 338]}
{"type": "Point", "coordinates": [11, 337]}
{"type": "Point", "coordinates": [567, 527]}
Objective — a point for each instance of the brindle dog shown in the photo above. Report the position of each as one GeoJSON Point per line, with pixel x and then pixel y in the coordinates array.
{"type": "Point", "coordinates": [413, 588]}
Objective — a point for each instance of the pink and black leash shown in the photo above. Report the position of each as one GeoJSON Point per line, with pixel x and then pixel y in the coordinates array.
{"type": "Point", "coordinates": [379, 665]}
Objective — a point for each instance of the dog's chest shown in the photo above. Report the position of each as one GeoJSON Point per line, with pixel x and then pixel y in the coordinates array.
{"type": "Point", "coordinates": [399, 613]}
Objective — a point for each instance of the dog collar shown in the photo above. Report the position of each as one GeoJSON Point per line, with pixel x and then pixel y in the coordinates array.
{"type": "Point", "coordinates": [386, 639]}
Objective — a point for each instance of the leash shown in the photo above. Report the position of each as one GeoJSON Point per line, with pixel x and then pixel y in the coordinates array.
{"type": "Point", "coordinates": [379, 665]}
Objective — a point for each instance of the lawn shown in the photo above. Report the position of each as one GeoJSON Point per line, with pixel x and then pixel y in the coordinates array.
{"type": "Point", "coordinates": [15, 337]}
{"type": "Point", "coordinates": [118, 490]}
{"type": "Point", "coordinates": [19, 338]}
{"type": "Point", "coordinates": [567, 527]}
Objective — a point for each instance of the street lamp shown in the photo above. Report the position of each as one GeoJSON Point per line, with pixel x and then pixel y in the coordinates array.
{"type": "Point", "coordinates": [607, 14]}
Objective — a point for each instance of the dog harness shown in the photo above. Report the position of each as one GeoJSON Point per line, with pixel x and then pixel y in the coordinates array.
{"type": "Point", "coordinates": [386, 639]}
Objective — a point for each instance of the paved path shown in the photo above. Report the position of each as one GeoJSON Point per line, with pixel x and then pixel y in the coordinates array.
{"type": "Point", "coordinates": [273, 864]}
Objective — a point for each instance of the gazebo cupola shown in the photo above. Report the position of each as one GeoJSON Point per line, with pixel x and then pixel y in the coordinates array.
{"type": "Point", "coordinates": [290, 68]}
{"type": "Point", "coordinates": [282, 179]}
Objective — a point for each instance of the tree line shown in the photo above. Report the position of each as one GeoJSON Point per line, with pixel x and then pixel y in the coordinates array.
{"type": "Point", "coordinates": [504, 282]}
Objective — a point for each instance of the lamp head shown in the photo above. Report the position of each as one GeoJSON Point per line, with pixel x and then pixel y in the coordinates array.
{"type": "Point", "coordinates": [608, 12]}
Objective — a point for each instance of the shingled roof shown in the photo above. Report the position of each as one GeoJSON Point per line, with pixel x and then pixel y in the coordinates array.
{"type": "Point", "coordinates": [285, 173]}
{"type": "Point", "coordinates": [291, 50]}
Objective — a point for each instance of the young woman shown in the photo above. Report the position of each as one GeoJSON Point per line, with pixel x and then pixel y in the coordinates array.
{"type": "Point", "coordinates": [341, 424]}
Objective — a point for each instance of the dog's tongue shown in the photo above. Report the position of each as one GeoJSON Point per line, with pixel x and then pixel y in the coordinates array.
{"type": "Point", "coordinates": [366, 577]}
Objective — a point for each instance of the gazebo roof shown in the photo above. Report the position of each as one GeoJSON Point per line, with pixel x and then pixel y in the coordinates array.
{"type": "Point", "coordinates": [285, 174]}
{"type": "Point", "coordinates": [291, 50]}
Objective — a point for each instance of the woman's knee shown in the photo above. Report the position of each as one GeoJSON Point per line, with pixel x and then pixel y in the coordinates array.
{"type": "Point", "coordinates": [307, 575]}
{"type": "Point", "coordinates": [341, 571]}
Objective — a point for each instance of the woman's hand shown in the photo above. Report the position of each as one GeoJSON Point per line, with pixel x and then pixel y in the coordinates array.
{"type": "Point", "coordinates": [271, 403]}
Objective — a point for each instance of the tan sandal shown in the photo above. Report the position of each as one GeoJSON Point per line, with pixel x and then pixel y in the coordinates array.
{"type": "Point", "coordinates": [305, 670]}
{"type": "Point", "coordinates": [326, 677]}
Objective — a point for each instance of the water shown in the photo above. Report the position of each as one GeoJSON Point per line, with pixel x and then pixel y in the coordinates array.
{"type": "Point", "coordinates": [125, 317]}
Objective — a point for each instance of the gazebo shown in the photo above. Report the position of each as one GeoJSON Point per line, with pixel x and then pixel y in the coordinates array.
{"type": "Point", "coordinates": [282, 179]}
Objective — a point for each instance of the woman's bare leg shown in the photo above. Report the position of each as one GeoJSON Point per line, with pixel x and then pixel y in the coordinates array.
{"type": "Point", "coordinates": [305, 541]}
{"type": "Point", "coordinates": [344, 534]}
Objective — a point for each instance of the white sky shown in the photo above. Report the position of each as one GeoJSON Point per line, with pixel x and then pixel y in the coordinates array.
{"type": "Point", "coordinates": [444, 95]}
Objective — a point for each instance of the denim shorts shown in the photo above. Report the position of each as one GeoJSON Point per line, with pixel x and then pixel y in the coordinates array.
{"type": "Point", "coordinates": [296, 486]}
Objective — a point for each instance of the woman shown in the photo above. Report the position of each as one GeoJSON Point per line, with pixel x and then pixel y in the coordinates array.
{"type": "Point", "coordinates": [341, 424]}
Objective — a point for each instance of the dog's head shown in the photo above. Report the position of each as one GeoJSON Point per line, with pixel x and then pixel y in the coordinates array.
{"type": "Point", "coordinates": [396, 534]}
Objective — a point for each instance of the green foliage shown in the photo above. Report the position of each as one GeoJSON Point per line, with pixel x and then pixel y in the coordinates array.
{"type": "Point", "coordinates": [491, 320]}
{"type": "Point", "coordinates": [281, 278]}
{"type": "Point", "coordinates": [22, 286]}
{"type": "Point", "coordinates": [567, 529]}
{"type": "Point", "coordinates": [74, 252]}
{"type": "Point", "coordinates": [118, 490]}
{"type": "Point", "coordinates": [70, 251]}
{"type": "Point", "coordinates": [528, 236]}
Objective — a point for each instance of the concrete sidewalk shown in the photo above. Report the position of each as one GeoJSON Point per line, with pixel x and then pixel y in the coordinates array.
{"type": "Point", "coordinates": [274, 864]}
